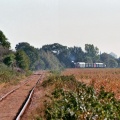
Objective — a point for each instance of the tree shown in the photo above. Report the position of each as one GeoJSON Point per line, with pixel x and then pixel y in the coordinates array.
{"type": "Point", "coordinates": [64, 58]}
{"type": "Point", "coordinates": [50, 60]}
{"type": "Point", "coordinates": [118, 60]}
{"type": "Point", "coordinates": [31, 52]}
{"type": "Point", "coordinates": [112, 63]}
{"type": "Point", "coordinates": [3, 40]}
{"type": "Point", "coordinates": [92, 52]}
{"type": "Point", "coordinates": [76, 54]}
{"type": "Point", "coordinates": [88, 59]}
{"type": "Point", "coordinates": [9, 60]}
{"type": "Point", "coordinates": [109, 60]}
{"type": "Point", "coordinates": [56, 47]}
{"type": "Point", "coordinates": [4, 52]}
{"type": "Point", "coordinates": [22, 60]}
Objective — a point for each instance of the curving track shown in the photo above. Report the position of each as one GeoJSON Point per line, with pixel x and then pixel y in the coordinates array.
{"type": "Point", "coordinates": [11, 103]}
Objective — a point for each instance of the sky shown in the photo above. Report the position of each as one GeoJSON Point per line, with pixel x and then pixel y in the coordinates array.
{"type": "Point", "coordinates": [68, 22]}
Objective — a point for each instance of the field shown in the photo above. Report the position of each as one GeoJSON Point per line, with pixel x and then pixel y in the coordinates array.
{"type": "Point", "coordinates": [79, 94]}
{"type": "Point", "coordinates": [107, 78]}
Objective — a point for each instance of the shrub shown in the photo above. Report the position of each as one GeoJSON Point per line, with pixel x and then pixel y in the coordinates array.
{"type": "Point", "coordinates": [81, 103]}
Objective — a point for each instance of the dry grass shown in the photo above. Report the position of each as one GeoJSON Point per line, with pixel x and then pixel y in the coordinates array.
{"type": "Point", "coordinates": [108, 78]}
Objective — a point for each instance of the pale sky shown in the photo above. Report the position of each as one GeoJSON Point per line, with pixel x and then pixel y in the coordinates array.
{"type": "Point", "coordinates": [68, 22]}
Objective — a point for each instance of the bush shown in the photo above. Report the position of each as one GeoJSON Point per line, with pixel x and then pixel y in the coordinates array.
{"type": "Point", "coordinates": [7, 74]}
{"type": "Point", "coordinates": [80, 102]}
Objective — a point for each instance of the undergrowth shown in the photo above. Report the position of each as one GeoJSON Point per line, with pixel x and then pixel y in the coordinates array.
{"type": "Point", "coordinates": [8, 75]}
{"type": "Point", "coordinates": [73, 100]}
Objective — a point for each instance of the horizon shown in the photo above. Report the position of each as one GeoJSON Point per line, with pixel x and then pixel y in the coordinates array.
{"type": "Point", "coordinates": [69, 23]}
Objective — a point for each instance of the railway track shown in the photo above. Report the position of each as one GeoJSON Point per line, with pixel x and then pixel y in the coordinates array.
{"type": "Point", "coordinates": [14, 103]}
{"type": "Point", "coordinates": [13, 90]}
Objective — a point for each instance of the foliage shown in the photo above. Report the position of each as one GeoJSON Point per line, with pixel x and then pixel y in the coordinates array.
{"type": "Point", "coordinates": [54, 56]}
{"type": "Point", "coordinates": [112, 63]}
{"type": "Point", "coordinates": [3, 40]}
{"type": "Point", "coordinates": [118, 61]}
{"type": "Point", "coordinates": [22, 60]}
{"type": "Point", "coordinates": [50, 61]}
{"type": "Point", "coordinates": [80, 101]}
{"type": "Point", "coordinates": [109, 60]}
{"type": "Point", "coordinates": [4, 46]}
{"type": "Point", "coordinates": [71, 54]}
{"type": "Point", "coordinates": [8, 75]}
{"type": "Point", "coordinates": [9, 60]}
{"type": "Point", "coordinates": [55, 48]}
{"type": "Point", "coordinates": [11, 72]}
{"type": "Point", "coordinates": [92, 52]}
{"type": "Point", "coordinates": [4, 52]}
{"type": "Point", "coordinates": [109, 78]}
{"type": "Point", "coordinates": [31, 53]}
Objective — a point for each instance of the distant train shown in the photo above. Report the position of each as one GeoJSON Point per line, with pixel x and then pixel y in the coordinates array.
{"type": "Point", "coordinates": [89, 65]}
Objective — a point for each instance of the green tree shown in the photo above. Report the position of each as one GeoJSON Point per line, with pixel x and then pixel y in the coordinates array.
{"type": "Point", "coordinates": [76, 54]}
{"type": "Point", "coordinates": [4, 52]}
{"type": "Point", "coordinates": [88, 59]}
{"type": "Point", "coordinates": [31, 52]}
{"type": "Point", "coordinates": [92, 52]}
{"type": "Point", "coordinates": [3, 40]}
{"type": "Point", "coordinates": [112, 63]}
{"type": "Point", "coordinates": [50, 61]}
{"type": "Point", "coordinates": [22, 60]}
{"type": "Point", "coordinates": [65, 59]}
{"type": "Point", "coordinates": [56, 47]}
{"type": "Point", "coordinates": [9, 60]}
{"type": "Point", "coordinates": [109, 60]}
{"type": "Point", "coordinates": [118, 60]}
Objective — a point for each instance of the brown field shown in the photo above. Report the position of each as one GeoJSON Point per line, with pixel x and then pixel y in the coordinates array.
{"type": "Point", "coordinates": [108, 78]}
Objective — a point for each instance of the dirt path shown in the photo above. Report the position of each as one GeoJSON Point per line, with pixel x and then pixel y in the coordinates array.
{"type": "Point", "coordinates": [6, 87]}
{"type": "Point", "coordinates": [37, 100]}
{"type": "Point", "coordinates": [10, 105]}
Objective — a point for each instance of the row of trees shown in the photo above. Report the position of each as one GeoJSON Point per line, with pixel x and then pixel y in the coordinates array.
{"type": "Point", "coordinates": [91, 54]}
{"type": "Point", "coordinates": [55, 56]}
{"type": "Point", "coordinates": [13, 59]}
{"type": "Point", "coordinates": [52, 56]}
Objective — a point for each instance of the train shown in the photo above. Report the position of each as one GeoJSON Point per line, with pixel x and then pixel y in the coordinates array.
{"type": "Point", "coordinates": [89, 65]}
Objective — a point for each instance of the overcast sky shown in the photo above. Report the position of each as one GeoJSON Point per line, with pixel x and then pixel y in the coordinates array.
{"type": "Point", "coordinates": [68, 22]}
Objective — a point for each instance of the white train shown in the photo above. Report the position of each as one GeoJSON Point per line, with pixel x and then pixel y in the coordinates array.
{"type": "Point", "coordinates": [89, 65]}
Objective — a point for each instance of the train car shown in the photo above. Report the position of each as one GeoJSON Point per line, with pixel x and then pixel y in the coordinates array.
{"type": "Point", "coordinates": [89, 65]}
{"type": "Point", "coordinates": [100, 65]}
{"type": "Point", "coordinates": [80, 65]}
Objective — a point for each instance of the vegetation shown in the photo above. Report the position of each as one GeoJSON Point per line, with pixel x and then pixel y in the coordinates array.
{"type": "Point", "coordinates": [66, 97]}
{"type": "Point", "coordinates": [109, 78]}
{"type": "Point", "coordinates": [9, 60]}
{"type": "Point", "coordinates": [52, 56]}
{"type": "Point", "coordinates": [56, 56]}
{"type": "Point", "coordinates": [9, 75]}
{"type": "Point", "coordinates": [31, 52]}
{"type": "Point", "coordinates": [69, 99]}
{"type": "Point", "coordinates": [3, 40]}
{"type": "Point", "coordinates": [40, 59]}
{"type": "Point", "coordinates": [12, 64]}
{"type": "Point", "coordinates": [22, 60]}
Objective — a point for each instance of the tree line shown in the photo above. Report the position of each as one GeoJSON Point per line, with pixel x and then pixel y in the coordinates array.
{"type": "Point", "coordinates": [52, 56]}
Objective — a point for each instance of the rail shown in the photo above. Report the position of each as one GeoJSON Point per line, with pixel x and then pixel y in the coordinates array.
{"type": "Point", "coordinates": [27, 101]}
{"type": "Point", "coordinates": [4, 96]}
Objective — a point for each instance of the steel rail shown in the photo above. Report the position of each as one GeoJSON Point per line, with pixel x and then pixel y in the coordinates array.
{"type": "Point", "coordinates": [27, 101]}
{"type": "Point", "coordinates": [4, 96]}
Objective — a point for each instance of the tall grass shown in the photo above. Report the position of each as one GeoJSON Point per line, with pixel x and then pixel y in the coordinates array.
{"type": "Point", "coordinates": [7, 74]}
